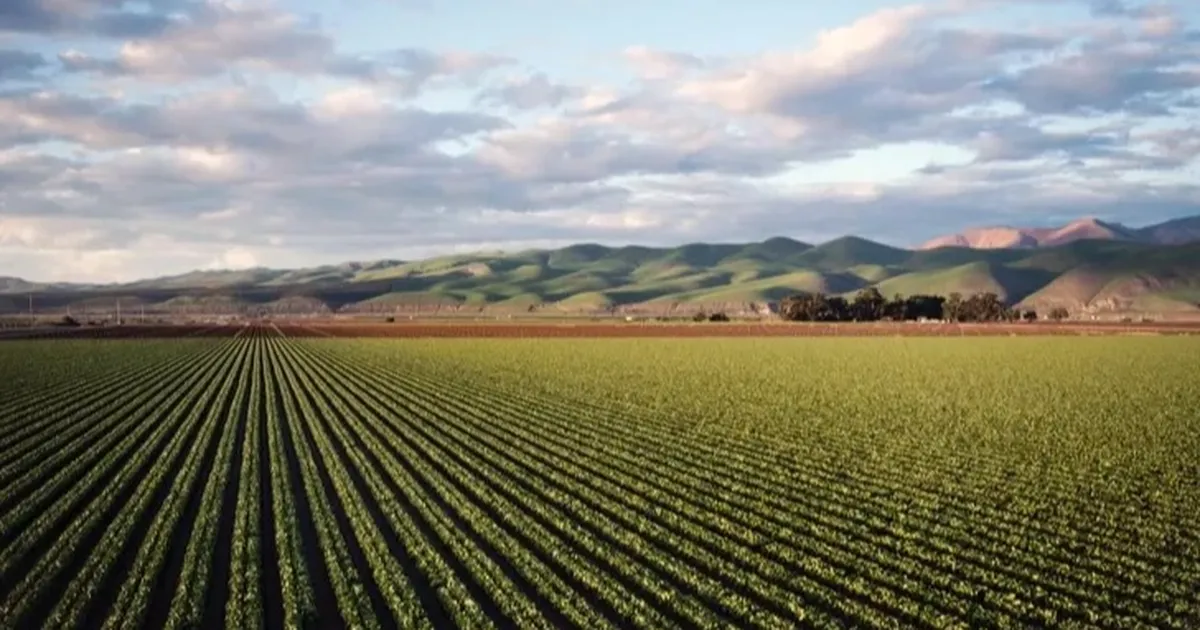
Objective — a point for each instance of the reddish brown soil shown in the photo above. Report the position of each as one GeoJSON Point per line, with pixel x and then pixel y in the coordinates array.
{"type": "Point", "coordinates": [773, 329]}
{"type": "Point", "coordinates": [545, 330]}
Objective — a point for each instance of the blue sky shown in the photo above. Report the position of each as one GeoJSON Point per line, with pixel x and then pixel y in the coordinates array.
{"type": "Point", "coordinates": [179, 134]}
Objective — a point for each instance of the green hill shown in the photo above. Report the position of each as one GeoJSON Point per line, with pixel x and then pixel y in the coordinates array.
{"type": "Point", "coordinates": [850, 251]}
{"type": "Point", "coordinates": [1082, 275]}
{"type": "Point", "coordinates": [872, 273]}
{"type": "Point", "coordinates": [775, 288]}
{"type": "Point", "coordinates": [590, 301]}
{"type": "Point", "coordinates": [1011, 284]}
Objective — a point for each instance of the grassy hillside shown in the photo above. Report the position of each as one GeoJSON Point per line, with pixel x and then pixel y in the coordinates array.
{"type": "Point", "coordinates": [1083, 275]}
{"type": "Point", "coordinates": [1012, 284]}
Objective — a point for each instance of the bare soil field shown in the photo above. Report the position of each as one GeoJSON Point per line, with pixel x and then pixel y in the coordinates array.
{"type": "Point", "coordinates": [768, 329]}
{"type": "Point", "coordinates": [537, 330]}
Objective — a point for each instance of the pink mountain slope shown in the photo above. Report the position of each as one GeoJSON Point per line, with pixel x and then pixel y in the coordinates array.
{"type": "Point", "coordinates": [1174, 232]}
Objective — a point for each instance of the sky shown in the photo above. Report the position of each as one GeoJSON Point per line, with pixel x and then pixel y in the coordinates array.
{"type": "Point", "coordinates": [141, 139]}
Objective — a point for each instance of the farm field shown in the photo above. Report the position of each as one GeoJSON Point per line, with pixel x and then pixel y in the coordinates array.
{"type": "Point", "coordinates": [769, 328]}
{"type": "Point", "coordinates": [268, 477]}
{"type": "Point", "coordinates": [606, 329]}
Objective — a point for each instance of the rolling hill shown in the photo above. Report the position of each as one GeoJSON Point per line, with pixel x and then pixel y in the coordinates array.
{"type": "Point", "coordinates": [1091, 274]}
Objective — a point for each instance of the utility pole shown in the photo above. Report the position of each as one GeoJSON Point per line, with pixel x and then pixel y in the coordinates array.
{"type": "Point", "coordinates": [32, 321]}
{"type": "Point", "coordinates": [118, 311]}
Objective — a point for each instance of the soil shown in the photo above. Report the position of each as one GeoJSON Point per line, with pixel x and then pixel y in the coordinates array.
{"type": "Point", "coordinates": [626, 329]}
{"type": "Point", "coordinates": [773, 329]}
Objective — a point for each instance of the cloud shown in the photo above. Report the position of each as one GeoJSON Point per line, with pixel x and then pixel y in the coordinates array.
{"type": "Point", "coordinates": [661, 64]}
{"type": "Point", "coordinates": [235, 258]}
{"type": "Point", "coordinates": [18, 65]}
{"type": "Point", "coordinates": [883, 78]}
{"type": "Point", "coordinates": [223, 37]}
{"type": "Point", "coordinates": [558, 152]}
{"type": "Point", "coordinates": [172, 135]}
{"type": "Point", "coordinates": [217, 38]}
{"type": "Point", "coordinates": [1009, 141]}
{"type": "Point", "coordinates": [237, 119]}
{"type": "Point", "coordinates": [104, 18]}
{"type": "Point", "coordinates": [411, 69]}
{"type": "Point", "coordinates": [528, 92]}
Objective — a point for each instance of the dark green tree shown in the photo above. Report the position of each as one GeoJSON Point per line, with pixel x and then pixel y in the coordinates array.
{"type": "Point", "coordinates": [982, 307]}
{"type": "Point", "coordinates": [869, 305]}
{"type": "Point", "coordinates": [837, 309]}
{"type": "Point", "coordinates": [954, 308]}
{"type": "Point", "coordinates": [895, 308]}
{"type": "Point", "coordinates": [814, 307]}
{"type": "Point", "coordinates": [924, 307]}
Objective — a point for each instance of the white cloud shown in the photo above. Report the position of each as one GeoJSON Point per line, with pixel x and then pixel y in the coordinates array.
{"type": "Point", "coordinates": [358, 100]}
{"type": "Point", "coordinates": [224, 214]}
{"type": "Point", "coordinates": [209, 162]}
{"type": "Point", "coordinates": [235, 258]}
{"type": "Point", "coordinates": [202, 134]}
{"type": "Point", "coordinates": [19, 232]}
{"type": "Point", "coordinates": [660, 64]}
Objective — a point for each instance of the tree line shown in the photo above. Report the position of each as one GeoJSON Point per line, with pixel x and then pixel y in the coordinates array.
{"type": "Point", "coordinates": [869, 305]}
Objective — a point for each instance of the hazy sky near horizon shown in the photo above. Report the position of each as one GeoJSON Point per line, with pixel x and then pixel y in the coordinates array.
{"type": "Point", "coordinates": [155, 137]}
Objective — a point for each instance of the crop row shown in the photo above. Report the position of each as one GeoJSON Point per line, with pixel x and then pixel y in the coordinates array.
{"type": "Point", "coordinates": [269, 481]}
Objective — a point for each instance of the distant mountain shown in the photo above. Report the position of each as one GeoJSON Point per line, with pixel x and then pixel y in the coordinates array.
{"type": "Point", "coordinates": [9, 284]}
{"type": "Point", "coordinates": [1175, 232]}
{"type": "Point", "coordinates": [1087, 265]}
{"type": "Point", "coordinates": [17, 285]}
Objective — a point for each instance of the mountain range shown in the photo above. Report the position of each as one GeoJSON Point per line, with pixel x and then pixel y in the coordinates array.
{"type": "Point", "coordinates": [1088, 265]}
{"type": "Point", "coordinates": [1173, 232]}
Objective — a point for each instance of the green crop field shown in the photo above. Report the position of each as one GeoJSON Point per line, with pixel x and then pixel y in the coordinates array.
{"type": "Point", "coordinates": [269, 482]}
